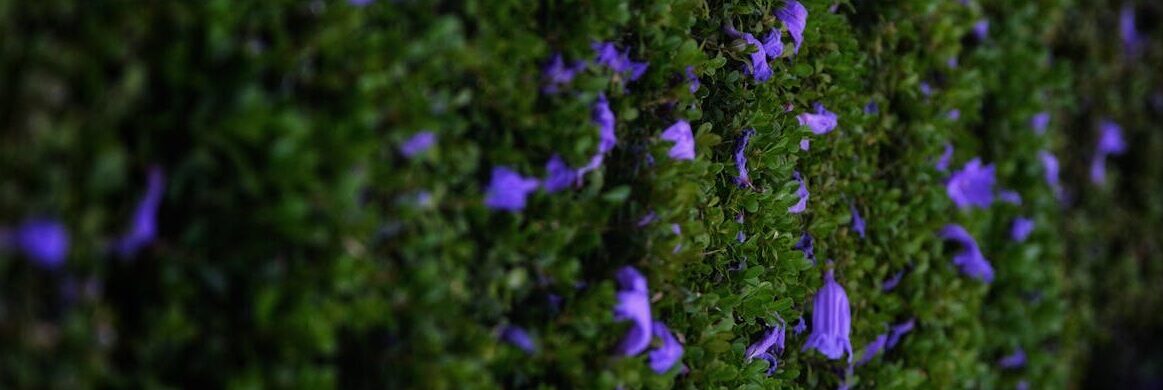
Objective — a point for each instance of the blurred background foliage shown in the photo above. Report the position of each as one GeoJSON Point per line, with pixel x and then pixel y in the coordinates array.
{"type": "Point", "coordinates": [292, 250]}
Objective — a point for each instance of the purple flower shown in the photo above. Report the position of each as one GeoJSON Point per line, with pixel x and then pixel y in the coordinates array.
{"type": "Point", "coordinates": [805, 145]}
{"type": "Point", "coordinates": [1021, 229]}
{"type": "Point", "coordinates": [831, 321]}
{"type": "Point", "coordinates": [1039, 122]}
{"type": "Point", "coordinates": [951, 63]}
{"type": "Point", "coordinates": [972, 185]}
{"type": "Point", "coordinates": [665, 356]}
{"type": "Point", "coordinates": [418, 143]}
{"type": "Point", "coordinates": [806, 245]}
{"type": "Point", "coordinates": [604, 118]}
{"type": "Point", "coordinates": [692, 78]}
{"type": "Point", "coordinates": [759, 69]}
{"type": "Point", "coordinates": [508, 189]}
{"type": "Point", "coordinates": [633, 305]}
{"type": "Point", "coordinates": [558, 75]}
{"type": "Point", "coordinates": [771, 44]}
{"type": "Point", "coordinates": [795, 17]}
{"type": "Point", "coordinates": [857, 221]}
{"type": "Point", "coordinates": [517, 336]}
{"type": "Point", "coordinates": [647, 219]}
{"type": "Point", "coordinates": [558, 175]}
{"type": "Point", "coordinates": [943, 163]}
{"type": "Point", "coordinates": [871, 108]}
{"type": "Point", "coordinates": [1009, 196]}
{"type": "Point", "coordinates": [684, 141]}
{"type": "Point", "coordinates": [802, 192]}
{"type": "Point", "coordinates": [800, 326]}
{"type": "Point", "coordinates": [970, 260]}
{"type": "Point", "coordinates": [768, 347]}
{"type": "Point", "coordinates": [926, 89]}
{"type": "Point", "coordinates": [1014, 360]}
{"type": "Point", "coordinates": [1022, 385]}
{"type": "Point", "coordinates": [44, 241]}
{"type": "Point", "coordinates": [1132, 42]}
{"type": "Point", "coordinates": [619, 62]}
{"type": "Point", "coordinates": [1050, 165]}
{"type": "Point", "coordinates": [740, 236]}
{"type": "Point", "coordinates": [893, 281]}
{"type": "Point", "coordinates": [981, 29]}
{"type": "Point", "coordinates": [1110, 142]}
{"type": "Point", "coordinates": [143, 229]}
{"type": "Point", "coordinates": [954, 114]}
{"type": "Point", "coordinates": [894, 335]}
{"type": "Point", "coordinates": [744, 179]}
{"type": "Point", "coordinates": [822, 122]}
{"type": "Point", "coordinates": [360, 3]}
{"type": "Point", "coordinates": [872, 349]}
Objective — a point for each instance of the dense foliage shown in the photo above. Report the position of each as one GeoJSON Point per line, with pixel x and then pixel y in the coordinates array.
{"type": "Point", "coordinates": [298, 245]}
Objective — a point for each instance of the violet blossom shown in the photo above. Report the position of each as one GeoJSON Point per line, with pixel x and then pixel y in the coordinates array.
{"type": "Point", "coordinates": [795, 17]}
{"type": "Point", "coordinates": [871, 108]}
{"type": "Point", "coordinates": [44, 241]}
{"type": "Point", "coordinates": [943, 163]}
{"type": "Point", "coordinates": [894, 334]}
{"type": "Point", "coordinates": [1014, 360]}
{"type": "Point", "coordinates": [1050, 166]}
{"type": "Point", "coordinates": [519, 338]}
{"type": "Point", "coordinates": [970, 260]}
{"type": "Point", "coordinates": [603, 117]}
{"type": "Point", "coordinates": [857, 221]}
{"type": "Point", "coordinates": [666, 355]}
{"type": "Point", "coordinates": [802, 193]}
{"type": "Point", "coordinates": [954, 114]}
{"type": "Point", "coordinates": [821, 122]}
{"type": "Point", "coordinates": [806, 245]}
{"type": "Point", "coordinates": [831, 321]}
{"type": "Point", "coordinates": [1110, 142]}
{"type": "Point", "coordinates": [558, 75]}
{"type": "Point", "coordinates": [768, 347]}
{"type": "Point", "coordinates": [1039, 122]}
{"type": "Point", "coordinates": [143, 228]}
{"type": "Point", "coordinates": [981, 29]}
{"type": "Point", "coordinates": [558, 175]}
{"type": "Point", "coordinates": [892, 281]}
{"type": "Point", "coordinates": [692, 78]}
{"type": "Point", "coordinates": [1021, 229]}
{"type": "Point", "coordinates": [759, 69]}
{"type": "Point", "coordinates": [973, 185]}
{"type": "Point", "coordinates": [619, 62]}
{"type": "Point", "coordinates": [743, 180]}
{"type": "Point", "coordinates": [508, 189]}
{"type": "Point", "coordinates": [418, 143]}
{"type": "Point", "coordinates": [1132, 42]}
{"type": "Point", "coordinates": [805, 145]}
{"type": "Point", "coordinates": [872, 349]}
{"type": "Point", "coordinates": [684, 141]}
{"type": "Point", "coordinates": [1009, 196]}
{"type": "Point", "coordinates": [800, 326]}
{"type": "Point", "coordinates": [634, 306]}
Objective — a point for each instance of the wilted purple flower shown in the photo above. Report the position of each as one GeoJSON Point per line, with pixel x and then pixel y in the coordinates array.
{"type": "Point", "coordinates": [970, 260]}
{"type": "Point", "coordinates": [802, 192]}
{"type": "Point", "coordinates": [759, 69]}
{"type": "Point", "coordinates": [926, 89]}
{"type": "Point", "coordinates": [1014, 360]}
{"type": "Point", "coordinates": [871, 108]}
{"type": "Point", "coordinates": [1021, 229]}
{"type": "Point", "coordinates": [972, 185]}
{"type": "Point", "coordinates": [806, 245]}
{"type": "Point", "coordinates": [800, 326]}
{"type": "Point", "coordinates": [1050, 165]}
{"type": "Point", "coordinates": [665, 356]}
{"type": "Point", "coordinates": [1039, 122]}
{"type": "Point", "coordinates": [44, 241]}
{"type": "Point", "coordinates": [143, 229]}
{"type": "Point", "coordinates": [894, 334]}
{"type": "Point", "coordinates": [981, 29]}
{"type": "Point", "coordinates": [893, 281]}
{"type": "Point", "coordinates": [872, 349]}
{"type": "Point", "coordinates": [692, 78]}
{"type": "Point", "coordinates": [558, 75]}
{"type": "Point", "coordinates": [418, 143]}
{"type": "Point", "coordinates": [771, 44]}
{"type": "Point", "coordinates": [831, 321]}
{"type": "Point", "coordinates": [519, 338]}
{"type": "Point", "coordinates": [1132, 42]}
{"type": "Point", "coordinates": [558, 175]}
{"type": "Point", "coordinates": [1009, 196]}
{"type": "Point", "coordinates": [795, 17]}
{"type": "Point", "coordinates": [857, 221]}
{"type": "Point", "coordinates": [772, 340]}
{"type": "Point", "coordinates": [633, 305]}
{"type": "Point", "coordinates": [744, 179]}
{"type": "Point", "coordinates": [619, 62]}
{"type": "Point", "coordinates": [943, 162]}
{"type": "Point", "coordinates": [1110, 142]}
{"type": "Point", "coordinates": [954, 114]}
{"type": "Point", "coordinates": [508, 189]}
{"type": "Point", "coordinates": [805, 145]}
{"type": "Point", "coordinates": [822, 122]}
{"type": "Point", "coordinates": [684, 141]}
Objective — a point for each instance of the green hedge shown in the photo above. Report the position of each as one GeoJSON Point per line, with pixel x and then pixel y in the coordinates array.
{"type": "Point", "coordinates": [297, 246]}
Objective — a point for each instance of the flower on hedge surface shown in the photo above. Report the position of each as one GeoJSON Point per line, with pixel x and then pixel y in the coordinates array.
{"type": "Point", "coordinates": [926, 89]}
{"type": "Point", "coordinates": [857, 221]}
{"type": "Point", "coordinates": [359, 3]}
{"type": "Point", "coordinates": [802, 192]}
{"type": "Point", "coordinates": [633, 305]}
{"type": "Point", "coordinates": [805, 145]}
{"type": "Point", "coordinates": [972, 185]}
{"type": "Point", "coordinates": [970, 260]}
{"type": "Point", "coordinates": [795, 17]}
{"type": "Point", "coordinates": [1021, 229]}
{"type": "Point", "coordinates": [894, 334]}
{"type": "Point", "coordinates": [666, 355]}
{"type": "Point", "coordinates": [800, 326]}
{"type": "Point", "coordinates": [772, 45]}
{"type": "Point", "coordinates": [743, 179]}
{"type": "Point", "coordinates": [519, 338]}
{"type": "Point", "coordinates": [871, 108]}
{"type": "Point", "coordinates": [684, 141]}
{"type": "Point", "coordinates": [759, 69]}
{"type": "Point", "coordinates": [768, 347]}
{"type": "Point", "coordinates": [603, 117]}
{"type": "Point", "coordinates": [418, 143]}
{"type": "Point", "coordinates": [806, 245]}
{"type": "Point", "coordinates": [1009, 196]}
{"type": "Point", "coordinates": [692, 78]}
{"type": "Point", "coordinates": [1014, 360]}
{"type": "Point", "coordinates": [981, 29]}
{"type": "Point", "coordinates": [508, 190]}
{"type": "Point", "coordinates": [143, 228]}
{"type": "Point", "coordinates": [831, 321]}
{"type": "Point", "coordinates": [44, 241]}
{"type": "Point", "coordinates": [1050, 165]}
{"type": "Point", "coordinates": [558, 175]}
{"type": "Point", "coordinates": [1110, 142]}
{"type": "Point", "coordinates": [558, 75]}
{"type": "Point", "coordinates": [951, 62]}
{"type": "Point", "coordinates": [954, 114]}
{"type": "Point", "coordinates": [1039, 122]}
{"type": "Point", "coordinates": [893, 281]}
{"type": "Point", "coordinates": [619, 62]}
{"type": "Point", "coordinates": [943, 163]}
{"type": "Point", "coordinates": [647, 219]}
{"type": "Point", "coordinates": [822, 122]}
{"type": "Point", "coordinates": [740, 236]}
{"type": "Point", "coordinates": [872, 349]}
{"type": "Point", "coordinates": [1132, 42]}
